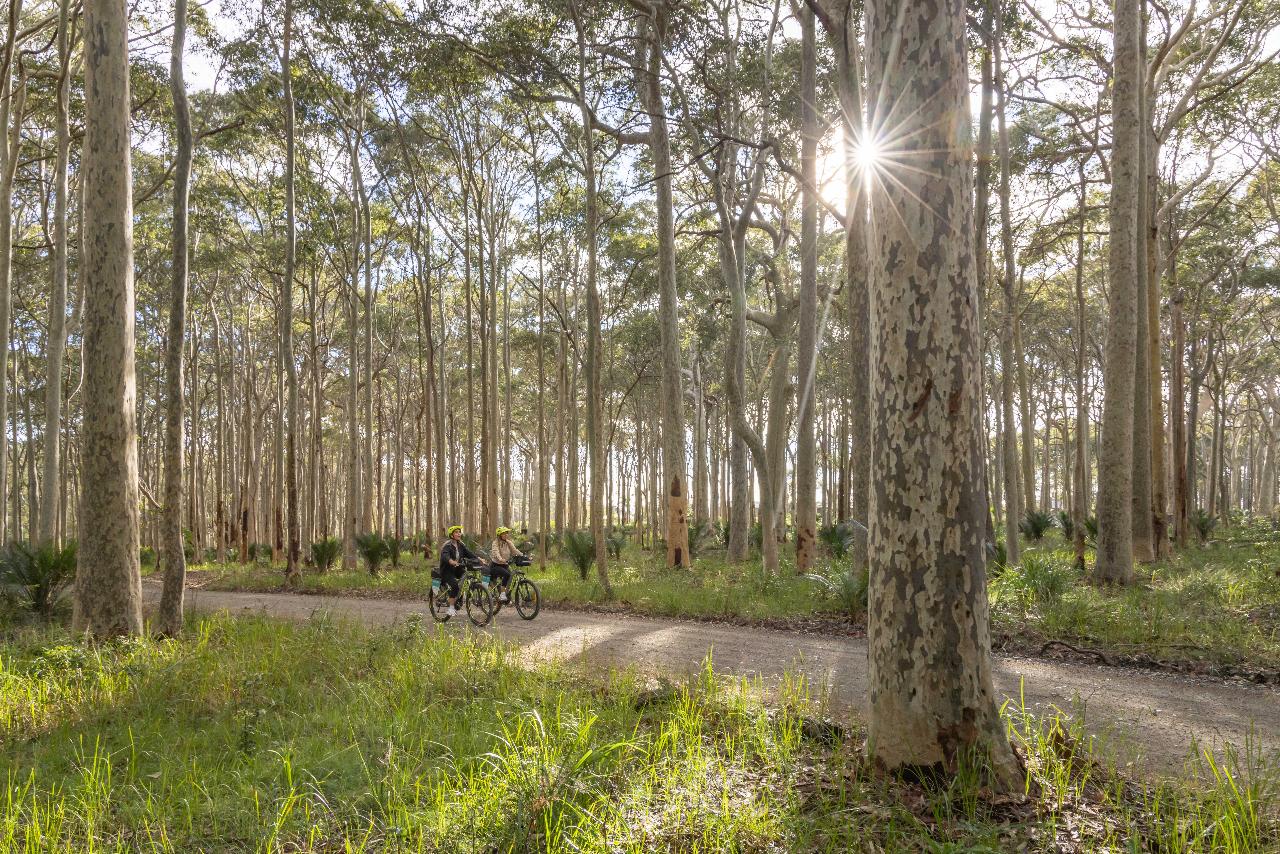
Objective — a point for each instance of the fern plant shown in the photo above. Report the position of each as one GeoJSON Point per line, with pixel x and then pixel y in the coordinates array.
{"type": "Point", "coordinates": [395, 547]}
{"type": "Point", "coordinates": [36, 579]}
{"type": "Point", "coordinates": [325, 552]}
{"type": "Point", "coordinates": [1091, 532]}
{"type": "Point", "coordinates": [1035, 524]}
{"type": "Point", "coordinates": [1204, 524]}
{"type": "Point", "coordinates": [580, 547]}
{"type": "Point", "coordinates": [699, 534]}
{"type": "Point", "coordinates": [838, 537]}
{"type": "Point", "coordinates": [1067, 524]}
{"type": "Point", "coordinates": [850, 587]}
{"type": "Point", "coordinates": [616, 541]}
{"type": "Point", "coordinates": [373, 549]}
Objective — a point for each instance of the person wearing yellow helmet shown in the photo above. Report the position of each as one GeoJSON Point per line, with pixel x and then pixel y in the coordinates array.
{"type": "Point", "coordinates": [501, 551]}
{"type": "Point", "coordinates": [452, 554]}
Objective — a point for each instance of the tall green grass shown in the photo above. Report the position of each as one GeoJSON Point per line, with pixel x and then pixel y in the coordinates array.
{"type": "Point", "coordinates": [254, 735]}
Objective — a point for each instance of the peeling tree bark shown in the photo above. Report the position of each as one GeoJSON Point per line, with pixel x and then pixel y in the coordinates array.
{"type": "Point", "coordinates": [931, 694]}
{"type": "Point", "coordinates": [108, 583]}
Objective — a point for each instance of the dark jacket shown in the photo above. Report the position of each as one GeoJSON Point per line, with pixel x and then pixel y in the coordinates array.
{"type": "Point", "coordinates": [452, 551]}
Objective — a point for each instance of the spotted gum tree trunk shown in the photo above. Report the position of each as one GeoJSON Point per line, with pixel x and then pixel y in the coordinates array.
{"type": "Point", "coordinates": [108, 584]}
{"type": "Point", "coordinates": [931, 695]}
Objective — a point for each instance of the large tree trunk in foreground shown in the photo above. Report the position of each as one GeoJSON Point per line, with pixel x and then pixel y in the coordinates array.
{"type": "Point", "coordinates": [931, 694]}
{"type": "Point", "coordinates": [175, 561]}
{"type": "Point", "coordinates": [108, 585]}
{"type": "Point", "coordinates": [1115, 463]}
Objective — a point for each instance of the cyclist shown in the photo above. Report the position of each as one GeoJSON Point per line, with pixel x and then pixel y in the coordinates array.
{"type": "Point", "coordinates": [501, 552]}
{"type": "Point", "coordinates": [452, 555]}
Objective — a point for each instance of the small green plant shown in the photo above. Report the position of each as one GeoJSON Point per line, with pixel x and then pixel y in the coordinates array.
{"type": "Point", "coordinates": [1067, 524]}
{"type": "Point", "coordinates": [325, 552]}
{"type": "Point", "coordinates": [1091, 532]}
{"type": "Point", "coordinates": [580, 547]}
{"type": "Point", "coordinates": [850, 587]}
{"type": "Point", "coordinates": [147, 556]}
{"type": "Point", "coordinates": [36, 579]}
{"type": "Point", "coordinates": [1035, 524]}
{"type": "Point", "coordinates": [1041, 579]}
{"type": "Point", "coordinates": [616, 541]}
{"type": "Point", "coordinates": [373, 550]}
{"type": "Point", "coordinates": [396, 546]}
{"type": "Point", "coordinates": [699, 535]}
{"type": "Point", "coordinates": [260, 553]}
{"type": "Point", "coordinates": [838, 537]}
{"type": "Point", "coordinates": [1204, 525]}
{"type": "Point", "coordinates": [997, 558]}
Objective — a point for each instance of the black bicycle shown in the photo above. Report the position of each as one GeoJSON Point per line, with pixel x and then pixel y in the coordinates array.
{"type": "Point", "coordinates": [475, 595]}
{"type": "Point", "coordinates": [524, 592]}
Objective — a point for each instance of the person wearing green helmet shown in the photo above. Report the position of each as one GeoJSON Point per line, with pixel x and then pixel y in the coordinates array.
{"type": "Point", "coordinates": [501, 552]}
{"type": "Point", "coordinates": [452, 554]}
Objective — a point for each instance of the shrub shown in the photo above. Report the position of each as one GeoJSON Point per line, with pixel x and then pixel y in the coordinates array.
{"type": "Point", "coordinates": [260, 552]}
{"type": "Point", "coordinates": [850, 588]}
{"type": "Point", "coordinates": [1091, 532]}
{"type": "Point", "coordinates": [1067, 524]}
{"type": "Point", "coordinates": [839, 537]}
{"type": "Point", "coordinates": [616, 541]}
{"type": "Point", "coordinates": [147, 556]}
{"type": "Point", "coordinates": [580, 546]}
{"type": "Point", "coordinates": [1035, 524]}
{"type": "Point", "coordinates": [373, 549]}
{"type": "Point", "coordinates": [1203, 524]}
{"type": "Point", "coordinates": [699, 535]}
{"type": "Point", "coordinates": [395, 546]}
{"type": "Point", "coordinates": [997, 558]}
{"type": "Point", "coordinates": [325, 552]}
{"type": "Point", "coordinates": [36, 579]}
{"type": "Point", "coordinates": [1041, 579]}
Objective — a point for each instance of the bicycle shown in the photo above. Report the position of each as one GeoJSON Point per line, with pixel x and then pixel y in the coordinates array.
{"type": "Point", "coordinates": [525, 594]}
{"type": "Point", "coordinates": [476, 597]}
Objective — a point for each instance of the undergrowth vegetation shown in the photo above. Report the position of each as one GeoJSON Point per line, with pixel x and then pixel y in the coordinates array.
{"type": "Point", "coordinates": [254, 735]}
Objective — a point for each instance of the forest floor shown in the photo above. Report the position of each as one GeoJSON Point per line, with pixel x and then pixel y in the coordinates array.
{"type": "Point", "coordinates": [324, 734]}
{"type": "Point", "coordinates": [1211, 610]}
{"type": "Point", "coordinates": [1150, 721]}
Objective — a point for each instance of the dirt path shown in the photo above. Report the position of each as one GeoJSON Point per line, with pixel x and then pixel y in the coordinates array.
{"type": "Point", "coordinates": [1148, 719]}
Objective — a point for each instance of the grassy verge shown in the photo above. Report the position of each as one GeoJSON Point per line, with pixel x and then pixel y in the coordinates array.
{"type": "Point", "coordinates": [255, 735]}
{"type": "Point", "coordinates": [1216, 606]}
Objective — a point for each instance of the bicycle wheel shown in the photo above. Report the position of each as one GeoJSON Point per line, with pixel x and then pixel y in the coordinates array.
{"type": "Point", "coordinates": [439, 611]}
{"type": "Point", "coordinates": [479, 605]}
{"type": "Point", "coordinates": [527, 598]}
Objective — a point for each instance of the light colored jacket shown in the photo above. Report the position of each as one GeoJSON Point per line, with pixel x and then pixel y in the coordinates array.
{"type": "Point", "coordinates": [502, 551]}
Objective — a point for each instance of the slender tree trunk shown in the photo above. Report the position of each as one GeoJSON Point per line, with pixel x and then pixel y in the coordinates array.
{"type": "Point", "coordinates": [675, 475]}
{"type": "Point", "coordinates": [293, 569]}
{"type": "Point", "coordinates": [12, 108]}
{"type": "Point", "coordinates": [352, 513]}
{"type": "Point", "coordinates": [1177, 406]}
{"type": "Point", "coordinates": [931, 693]}
{"type": "Point", "coordinates": [1012, 488]}
{"type": "Point", "coordinates": [1115, 470]}
{"type": "Point", "coordinates": [108, 584]}
{"type": "Point", "coordinates": [595, 418]}
{"type": "Point", "coordinates": [175, 563]}
{"type": "Point", "coordinates": [1143, 492]}
{"type": "Point", "coordinates": [57, 339]}
{"type": "Point", "coordinates": [1159, 463]}
{"type": "Point", "coordinates": [1080, 506]}
{"type": "Point", "coordinates": [807, 345]}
